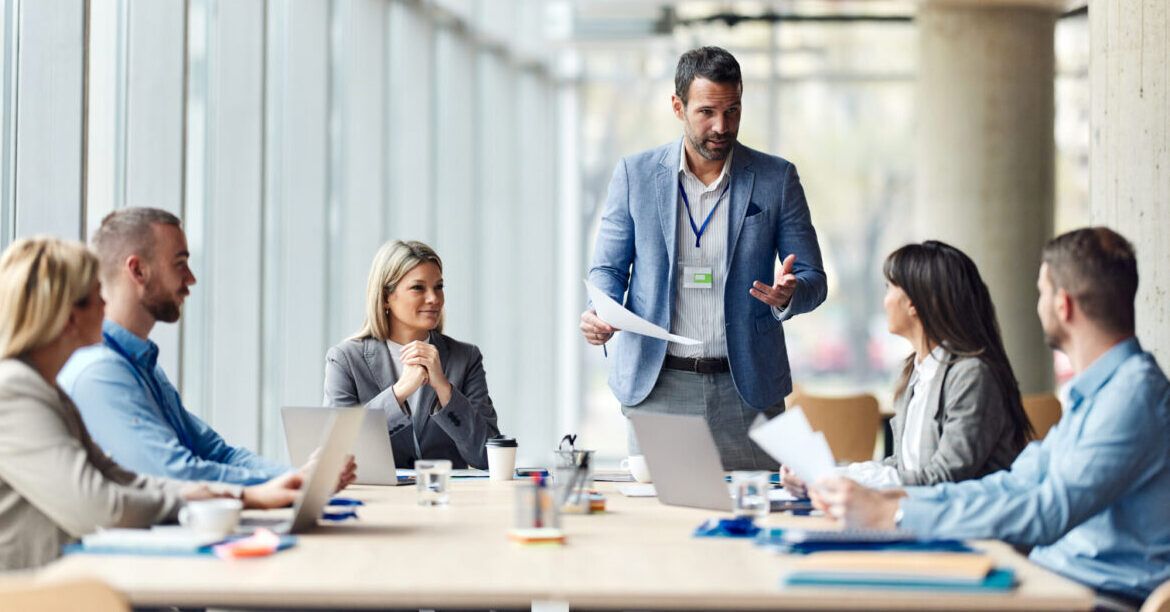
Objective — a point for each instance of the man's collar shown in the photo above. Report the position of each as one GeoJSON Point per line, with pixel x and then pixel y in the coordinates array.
{"type": "Point", "coordinates": [144, 352]}
{"type": "Point", "coordinates": [1092, 378]}
{"type": "Point", "coordinates": [685, 168]}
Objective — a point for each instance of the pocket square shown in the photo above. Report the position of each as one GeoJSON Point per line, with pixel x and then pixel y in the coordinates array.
{"type": "Point", "coordinates": [753, 209]}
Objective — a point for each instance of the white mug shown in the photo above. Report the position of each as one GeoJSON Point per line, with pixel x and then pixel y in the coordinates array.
{"type": "Point", "coordinates": [636, 464]}
{"type": "Point", "coordinates": [211, 516]}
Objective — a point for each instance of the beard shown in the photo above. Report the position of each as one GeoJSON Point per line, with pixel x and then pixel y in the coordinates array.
{"type": "Point", "coordinates": [708, 153]}
{"type": "Point", "coordinates": [1054, 337]}
{"type": "Point", "coordinates": [162, 307]}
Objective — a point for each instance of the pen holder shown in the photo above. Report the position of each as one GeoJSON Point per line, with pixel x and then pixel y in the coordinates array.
{"type": "Point", "coordinates": [574, 480]}
{"type": "Point", "coordinates": [535, 506]}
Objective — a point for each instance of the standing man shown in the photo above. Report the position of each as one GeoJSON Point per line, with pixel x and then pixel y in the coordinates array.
{"type": "Point", "coordinates": [129, 405]}
{"type": "Point", "coordinates": [690, 237]}
{"type": "Point", "coordinates": [1093, 497]}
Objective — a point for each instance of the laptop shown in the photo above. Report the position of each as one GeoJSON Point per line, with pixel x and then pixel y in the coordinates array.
{"type": "Point", "coordinates": [372, 452]}
{"type": "Point", "coordinates": [341, 430]}
{"type": "Point", "coordinates": [682, 456]}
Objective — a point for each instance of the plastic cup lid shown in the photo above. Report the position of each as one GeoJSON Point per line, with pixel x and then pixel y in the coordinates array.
{"type": "Point", "coordinates": [502, 441]}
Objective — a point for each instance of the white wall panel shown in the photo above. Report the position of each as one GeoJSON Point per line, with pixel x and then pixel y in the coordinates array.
{"type": "Point", "coordinates": [358, 220]}
{"type": "Point", "coordinates": [502, 294]}
{"type": "Point", "coordinates": [536, 264]}
{"type": "Point", "coordinates": [409, 129]}
{"type": "Point", "coordinates": [49, 126]}
{"type": "Point", "coordinates": [232, 216]}
{"type": "Point", "coordinates": [296, 196]}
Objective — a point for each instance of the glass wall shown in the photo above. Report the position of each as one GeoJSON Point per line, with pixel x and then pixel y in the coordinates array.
{"type": "Point", "coordinates": [294, 138]}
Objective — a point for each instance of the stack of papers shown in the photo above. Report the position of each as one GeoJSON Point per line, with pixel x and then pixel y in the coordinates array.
{"type": "Point", "coordinates": [157, 540]}
{"type": "Point", "coordinates": [912, 570]}
{"type": "Point", "coordinates": [790, 440]}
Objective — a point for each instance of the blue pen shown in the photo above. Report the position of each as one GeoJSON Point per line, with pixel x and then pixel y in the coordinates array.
{"type": "Point", "coordinates": [345, 501]}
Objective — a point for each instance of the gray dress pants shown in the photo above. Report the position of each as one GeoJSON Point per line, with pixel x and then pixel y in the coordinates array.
{"type": "Point", "coordinates": [713, 397]}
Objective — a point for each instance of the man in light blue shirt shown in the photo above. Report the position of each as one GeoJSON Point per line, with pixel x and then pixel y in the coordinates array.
{"type": "Point", "coordinates": [129, 406]}
{"type": "Point", "coordinates": [1092, 498]}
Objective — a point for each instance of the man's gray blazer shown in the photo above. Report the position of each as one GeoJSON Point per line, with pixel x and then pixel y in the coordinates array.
{"type": "Point", "coordinates": [360, 371]}
{"type": "Point", "coordinates": [968, 432]}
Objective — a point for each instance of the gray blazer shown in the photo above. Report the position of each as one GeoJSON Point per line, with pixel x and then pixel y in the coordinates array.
{"type": "Point", "coordinates": [968, 431]}
{"type": "Point", "coordinates": [55, 483]}
{"type": "Point", "coordinates": [362, 372]}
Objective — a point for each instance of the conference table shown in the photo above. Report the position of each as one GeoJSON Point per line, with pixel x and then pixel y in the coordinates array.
{"type": "Point", "coordinates": [639, 554]}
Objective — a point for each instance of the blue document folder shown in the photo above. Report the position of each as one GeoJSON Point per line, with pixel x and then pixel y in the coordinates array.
{"type": "Point", "coordinates": [997, 581]}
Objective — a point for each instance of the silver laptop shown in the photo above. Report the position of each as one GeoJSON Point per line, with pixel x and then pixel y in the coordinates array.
{"type": "Point", "coordinates": [340, 432]}
{"type": "Point", "coordinates": [682, 456]}
{"type": "Point", "coordinates": [373, 453]}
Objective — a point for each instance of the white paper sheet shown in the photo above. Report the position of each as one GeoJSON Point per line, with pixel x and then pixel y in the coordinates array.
{"type": "Point", "coordinates": [638, 490]}
{"type": "Point", "coordinates": [615, 315]}
{"type": "Point", "coordinates": [790, 440]}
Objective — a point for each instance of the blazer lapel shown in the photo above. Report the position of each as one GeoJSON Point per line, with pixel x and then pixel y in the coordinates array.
{"type": "Point", "coordinates": [742, 181]}
{"type": "Point", "coordinates": [378, 361]}
{"type": "Point", "coordinates": [666, 188]}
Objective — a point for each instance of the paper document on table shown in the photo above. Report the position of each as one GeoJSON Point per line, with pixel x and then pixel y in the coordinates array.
{"type": "Point", "coordinates": [790, 440]}
{"type": "Point", "coordinates": [617, 316]}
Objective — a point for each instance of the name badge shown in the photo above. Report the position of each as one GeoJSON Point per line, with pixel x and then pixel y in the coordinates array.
{"type": "Point", "coordinates": [698, 277]}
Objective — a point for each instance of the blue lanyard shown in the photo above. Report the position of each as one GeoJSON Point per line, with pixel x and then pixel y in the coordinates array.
{"type": "Point", "coordinates": [695, 228]}
{"type": "Point", "coordinates": [154, 393]}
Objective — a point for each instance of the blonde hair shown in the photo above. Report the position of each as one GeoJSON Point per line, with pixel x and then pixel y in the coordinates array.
{"type": "Point", "coordinates": [41, 279]}
{"type": "Point", "coordinates": [391, 264]}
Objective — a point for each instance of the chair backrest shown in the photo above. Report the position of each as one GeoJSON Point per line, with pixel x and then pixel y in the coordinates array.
{"type": "Point", "coordinates": [850, 423]}
{"type": "Point", "coordinates": [1043, 410]}
{"type": "Point", "coordinates": [89, 595]}
{"type": "Point", "coordinates": [1159, 600]}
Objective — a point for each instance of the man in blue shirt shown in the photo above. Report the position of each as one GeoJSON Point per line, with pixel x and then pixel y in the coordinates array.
{"type": "Point", "coordinates": [128, 404]}
{"type": "Point", "coordinates": [1092, 498]}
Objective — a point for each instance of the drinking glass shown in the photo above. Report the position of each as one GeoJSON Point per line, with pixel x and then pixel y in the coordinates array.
{"type": "Point", "coordinates": [433, 476]}
{"type": "Point", "coordinates": [750, 490]}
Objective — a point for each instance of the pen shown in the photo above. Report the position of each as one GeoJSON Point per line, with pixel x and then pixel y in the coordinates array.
{"type": "Point", "coordinates": [604, 351]}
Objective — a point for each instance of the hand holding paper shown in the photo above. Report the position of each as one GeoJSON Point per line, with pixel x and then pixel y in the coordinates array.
{"type": "Point", "coordinates": [615, 315]}
{"type": "Point", "coordinates": [790, 440]}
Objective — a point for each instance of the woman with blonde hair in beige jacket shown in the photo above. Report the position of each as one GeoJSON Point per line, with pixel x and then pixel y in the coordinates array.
{"type": "Point", "coordinates": [55, 483]}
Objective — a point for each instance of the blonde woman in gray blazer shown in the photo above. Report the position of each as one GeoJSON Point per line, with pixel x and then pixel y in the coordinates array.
{"type": "Point", "coordinates": [56, 485]}
{"type": "Point", "coordinates": [431, 387]}
{"type": "Point", "coordinates": [958, 413]}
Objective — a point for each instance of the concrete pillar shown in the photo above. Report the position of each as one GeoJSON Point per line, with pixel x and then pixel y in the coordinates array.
{"type": "Point", "coordinates": [984, 173]}
{"type": "Point", "coordinates": [1129, 74]}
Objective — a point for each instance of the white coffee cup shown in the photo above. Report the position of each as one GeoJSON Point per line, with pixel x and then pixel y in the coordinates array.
{"type": "Point", "coordinates": [636, 464]}
{"type": "Point", "coordinates": [501, 456]}
{"type": "Point", "coordinates": [211, 516]}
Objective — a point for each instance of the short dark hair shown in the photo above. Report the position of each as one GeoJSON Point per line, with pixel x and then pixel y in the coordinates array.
{"type": "Point", "coordinates": [712, 63]}
{"type": "Point", "coordinates": [127, 232]}
{"type": "Point", "coordinates": [1098, 268]}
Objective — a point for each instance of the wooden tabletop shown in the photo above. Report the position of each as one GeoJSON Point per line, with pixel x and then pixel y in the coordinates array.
{"type": "Point", "coordinates": [640, 554]}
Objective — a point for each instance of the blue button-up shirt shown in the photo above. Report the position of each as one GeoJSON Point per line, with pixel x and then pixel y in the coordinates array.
{"type": "Point", "coordinates": [1093, 497]}
{"type": "Point", "coordinates": [136, 415]}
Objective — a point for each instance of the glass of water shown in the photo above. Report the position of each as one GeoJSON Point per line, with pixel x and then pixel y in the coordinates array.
{"type": "Point", "coordinates": [750, 490]}
{"type": "Point", "coordinates": [433, 476]}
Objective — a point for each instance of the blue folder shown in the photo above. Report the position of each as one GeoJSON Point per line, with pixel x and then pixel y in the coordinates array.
{"type": "Point", "coordinates": [773, 538]}
{"type": "Point", "coordinates": [77, 548]}
{"type": "Point", "coordinates": [997, 581]}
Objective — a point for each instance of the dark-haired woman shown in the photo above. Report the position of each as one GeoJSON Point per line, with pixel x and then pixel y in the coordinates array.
{"type": "Point", "coordinates": [958, 413]}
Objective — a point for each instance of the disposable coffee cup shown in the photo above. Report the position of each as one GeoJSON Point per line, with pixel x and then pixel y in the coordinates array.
{"type": "Point", "coordinates": [501, 455]}
{"type": "Point", "coordinates": [218, 517]}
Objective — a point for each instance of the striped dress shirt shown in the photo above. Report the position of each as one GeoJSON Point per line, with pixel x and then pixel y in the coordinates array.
{"type": "Point", "coordinates": [698, 313]}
